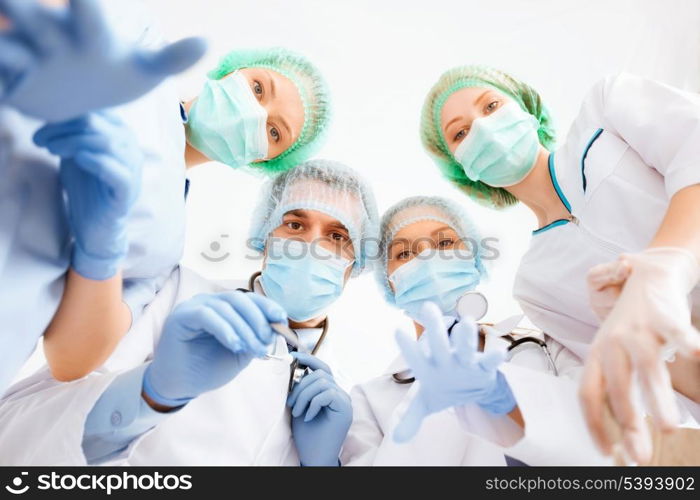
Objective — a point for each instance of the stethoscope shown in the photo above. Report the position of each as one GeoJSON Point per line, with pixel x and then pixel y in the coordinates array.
{"type": "Point", "coordinates": [296, 369]}
{"type": "Point", "coordinates": [474, 305]}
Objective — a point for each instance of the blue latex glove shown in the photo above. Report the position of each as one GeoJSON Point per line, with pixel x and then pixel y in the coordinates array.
{"type": "Point", "coordinates": [454, 373]}
{"type": "Point", "coordinates": [57, 64]}
{"type": "Point", "coordinates": [207, 340]}
{"type": "Point", "coordinates": [321, 414]}
{"type": "Point", "coordinates": [100, 172]}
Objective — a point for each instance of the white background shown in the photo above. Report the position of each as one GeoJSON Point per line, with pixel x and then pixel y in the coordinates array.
{"type": "Point", "coordinates": [380, 59]}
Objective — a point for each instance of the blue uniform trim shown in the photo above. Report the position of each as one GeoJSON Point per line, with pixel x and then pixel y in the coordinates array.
{"type": "Point", "coordinates": [553, 176]}
{"type": "Point", "coordinates": [585, 153]}
{"type": "Point", "coordinates": [558, 222]}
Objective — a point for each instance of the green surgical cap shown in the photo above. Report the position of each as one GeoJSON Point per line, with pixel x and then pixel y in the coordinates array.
{"type": "Point", "coordinates": [434, 140]}
{"type": "Point", "coordinates": [312, 89]}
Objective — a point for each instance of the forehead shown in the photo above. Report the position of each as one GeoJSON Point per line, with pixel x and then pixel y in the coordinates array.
{"type": "Point", "coordinates": [315, 193]}
{"type": "Point", "coordinates": [422, 228]}
{"type": "Point", "coordinates": [460, 100]}
{"type": "Point", "coordinates": [315, 216]}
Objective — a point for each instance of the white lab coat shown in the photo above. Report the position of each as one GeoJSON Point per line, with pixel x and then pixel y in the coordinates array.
{"type": "Point", "coordinates": [242, 423]}
{"type": "Point", "coordinates": [469, 435]}
{"type": "Point", "coordinates": [648, 150]}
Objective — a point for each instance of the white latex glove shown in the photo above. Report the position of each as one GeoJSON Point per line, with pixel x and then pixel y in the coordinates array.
{"type": "Point", "coordinates": [652, 312]}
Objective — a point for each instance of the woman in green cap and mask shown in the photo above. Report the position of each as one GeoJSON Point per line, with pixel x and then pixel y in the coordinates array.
{"type": "Point", "coordinates": [614, 258]}
{"type": "Point", "coordinates": [267, 108]}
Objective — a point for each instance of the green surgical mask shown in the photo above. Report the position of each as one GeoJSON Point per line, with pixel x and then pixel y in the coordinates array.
{"type": "Point", "coordinates": [500, 149]}
{"type": "Point", "coordinates": [227, 123]}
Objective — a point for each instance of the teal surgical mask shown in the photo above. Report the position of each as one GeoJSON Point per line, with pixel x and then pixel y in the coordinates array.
{"type": "Point", "coordinates": [441, 278]}
{"type": "Point", "coordinates": [305, 279]}
{"type": "Point", "coordinates": [500, 149]}
{"type": "Point", "coordinates": [227, 123]}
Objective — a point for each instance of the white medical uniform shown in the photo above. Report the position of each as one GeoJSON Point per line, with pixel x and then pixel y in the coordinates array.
{"type": "Point", "coordinates": [470, 435]}
{"type": "Point", "coordinates": [634, 144]}
{"type": "Point", "coordinates": [35, 243]}
{"type": "Point", "coordinates": [245, 422]}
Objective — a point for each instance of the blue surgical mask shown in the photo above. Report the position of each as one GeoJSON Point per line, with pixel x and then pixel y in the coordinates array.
{"type": "Point", "coordinates": [304, 279]}
{"type": "Point", "coordinates": [227, 123]}
{"type": "Point", "coordinates": [501, 148]}
{"type": "Point", "coordinates": [441, 278]}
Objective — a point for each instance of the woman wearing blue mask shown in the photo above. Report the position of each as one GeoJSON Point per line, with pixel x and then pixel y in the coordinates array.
{"type": "Point", "coordinates": [613, 261]}
{"type": "Point", "coordinates": [216, 388]}
{"type": "Point", "coordinates": [430, 255]}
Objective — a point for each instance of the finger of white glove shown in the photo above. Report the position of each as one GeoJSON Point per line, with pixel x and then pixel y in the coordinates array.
{"type": "Point", "coordinates": [593, 402]}
{"type": "Point", "coordinates": [410, 422]}
{"type": "Point", "coordinates": [657, 390]}
{"type": "Point", "coordinates": [608, 274]}
{"type": "Point", "coordinates": [684, 337]}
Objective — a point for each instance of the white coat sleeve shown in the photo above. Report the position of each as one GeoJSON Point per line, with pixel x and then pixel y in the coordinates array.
{"type": "Point", "coordinates": [42, 421]}
{"type": "Point", "coordinates": [555, 432]}
{"type": "Point", "coordinates": [661, 123]}
{"type": "Point", "coordinates": [365, 436]}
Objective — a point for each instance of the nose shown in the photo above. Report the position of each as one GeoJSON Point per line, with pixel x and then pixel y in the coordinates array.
{"type": "Point", "coordinates": [422, 245]}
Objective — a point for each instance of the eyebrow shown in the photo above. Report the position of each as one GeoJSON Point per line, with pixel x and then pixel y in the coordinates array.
{"type": "Point", "coordinates": [481, 96]}
{"type": "Point", "coordinates": [298, 213]}
{"type": "Point", "coordinates": [338, 225]}
{"type": "Point", "coordinates": [438, 230]}
{"type": "Point", "coordinates": [272, 83]}
{"type": "Point", "coordinates": [284, 123]}
{"type": "Point", "coordinates": [457, 118]}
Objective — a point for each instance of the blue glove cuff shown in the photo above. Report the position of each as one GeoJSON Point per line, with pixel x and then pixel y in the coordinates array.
{"type": "Point", "coordinates": [97, 268]}
{"type": "Point", "coordinates": [157, 398]}
{"type": "Point", "coordinates": [500, 400]}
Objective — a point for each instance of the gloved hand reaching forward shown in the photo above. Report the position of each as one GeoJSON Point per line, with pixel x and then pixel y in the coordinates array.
{"type": "Point", "coordinates": [100, 171]}
{"type": "Point", "coordinates": [651, 315]}
{"type": "Point", "coordinates": [58, 64]}
{"type": "Point", "coordinates": [321, 414]}
{"type": "Point", "coordinates": [206, 341]}
{"type": "Point", "coordinates": [454, 373]}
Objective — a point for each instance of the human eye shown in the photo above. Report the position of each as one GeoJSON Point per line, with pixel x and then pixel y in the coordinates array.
{"type": "Point", "coordinates": [446, 243]}
{"type": "Point", "coordinates": [461, 134]}
{"type": "Point", "coordinates": [257, 89]}
{"type": "Point", "coordinates": [294, 225]}
{"type": "Point", "coordinates": [274, 133]}
{"type": "Point", "coordinates": [492, 106]}
{"type": "Point", "coordinates": [405, 255]}
{"type": "Point", "coordinates": [339, 236]}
